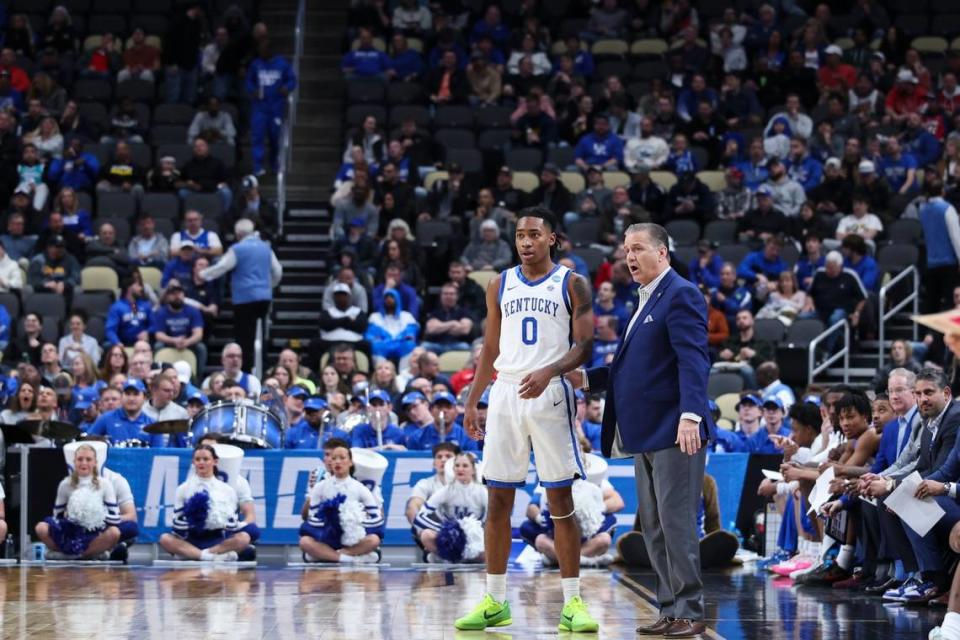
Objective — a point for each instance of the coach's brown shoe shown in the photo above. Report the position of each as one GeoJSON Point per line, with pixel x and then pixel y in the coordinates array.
{"type": "Point", "coordinates": [657, 628]}
{"type": "Point", "coordinates": [685, 628]}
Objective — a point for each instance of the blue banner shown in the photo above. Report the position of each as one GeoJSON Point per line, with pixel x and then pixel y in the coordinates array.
{"type": "Point", "coordinates": [278, 480]}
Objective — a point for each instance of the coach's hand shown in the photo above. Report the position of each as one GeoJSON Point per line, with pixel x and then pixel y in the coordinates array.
{"type": "Point", "coordinates": [688, 436]}
{"type": "Point", "coordinates": [533, 384]}
{"type": "Point", "coordinates": [471, 422]}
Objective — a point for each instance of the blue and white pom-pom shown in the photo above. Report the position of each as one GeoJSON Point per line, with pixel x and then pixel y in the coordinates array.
{"type": "Point", "coordinates": [460, 540]}
{"type": "Point", "coordinates": [352, 516]}
{"type": "Point", "coordinates": [85, 509]}
{"type": "Point", "coordinates": [588, 507]}
{"type": "Point", "coordinates": [328, 513]}
{"type": "Point", "coordinates": [222, 514]}
{"type": "Point", "coordinates": [203, 513]}
{"type": "Point", "coordinates": [473, 530]}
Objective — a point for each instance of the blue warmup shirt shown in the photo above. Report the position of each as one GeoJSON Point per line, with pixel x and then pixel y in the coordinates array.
{"type": "Point", "coordinates": [177, 324]}
{"type": "Point", "coordinates": [118, 427]}
{"type": "Point", "coordinates": [365, 436]}
{"type": "Point", "coordinates": [428, 436]}
{"type": "Point", "coordinates": [303, 436]}
{"type": "Point", "coordinates": [367, 62]}
{"type": "Point", "coordinates": [756, 263]}
{"type": "Point", "coordinates": [595, 150]}
{"type": "Point", "coordinates": [266, 77]}
{"type": "Point", "coordinates": [808, 172]}
{"type": "Point", "coordinates": [895, 171]}
{"type": "Point", "coordinates": [760, 442]}
{"type": "Point", "coordinates": [591, 430]}
{"type": "Point", "coordinates": [124, 323]}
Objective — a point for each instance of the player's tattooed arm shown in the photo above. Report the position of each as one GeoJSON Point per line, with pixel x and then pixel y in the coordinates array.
{"type": "Point", "coordinates": [581, 300]}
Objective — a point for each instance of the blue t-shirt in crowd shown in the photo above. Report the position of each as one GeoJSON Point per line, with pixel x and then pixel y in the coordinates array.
{"type": "Point", "coordinates": [895, 171]}
{"type": "Point", "coordinates": [176, 324]}
{"type": "Point", "coordinates": [595, 150]}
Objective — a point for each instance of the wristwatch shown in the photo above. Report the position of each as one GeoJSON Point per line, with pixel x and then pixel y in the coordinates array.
{"type": "Point", "coordinates": [948, 488]}
{"type": "Point", "coordinates": [585, 382]}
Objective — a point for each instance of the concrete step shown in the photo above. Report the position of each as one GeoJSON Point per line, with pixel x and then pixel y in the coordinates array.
{"type": "Point", "coordinates": [312, 238]}
{"type": "Point", "coordinates": [304, 289]}
{"type": "Point", "coordinates": [309, 214]}
{"type": "Point", "coordinates": [865, 373]}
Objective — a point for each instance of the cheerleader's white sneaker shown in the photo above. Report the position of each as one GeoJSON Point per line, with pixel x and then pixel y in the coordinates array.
{"type": "Point", "coordinates": [229, 556]}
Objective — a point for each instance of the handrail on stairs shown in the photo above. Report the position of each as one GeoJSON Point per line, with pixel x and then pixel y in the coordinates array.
{"type": "Point", "coordinates": [286, 152]}
{"type": "Point", "coordinates": [813, 369]}
{"type": "Point", "coordinates": [914, 297]}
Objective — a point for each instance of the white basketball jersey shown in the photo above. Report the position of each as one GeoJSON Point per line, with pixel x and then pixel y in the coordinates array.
{"type": "Point", "coordinates": [535, 324]}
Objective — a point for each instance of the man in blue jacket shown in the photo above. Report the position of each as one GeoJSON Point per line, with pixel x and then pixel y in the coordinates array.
{"type": "Point", "coordinates": [600, 148]}
{"type": "Point", "coordinates": [919, 142]}
{"type": "Point", "coordinates": [657, 413]}
{"type": "Point", "coordinates": [801, 167]}
{"type": "Point", "coordinates": [270, 80]}
{"type": "Point", "coordinates": [765, 263]}
{"type": "Point", "coordinates": [77, 169]}
{"type": "Point", "coordinates": [126, 423]}
{"type": "Point", "coordinates": [366, 61]}
{"type": "Point", "coordinates": [130, 317]}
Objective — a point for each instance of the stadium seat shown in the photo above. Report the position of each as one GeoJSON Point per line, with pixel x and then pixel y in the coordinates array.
{"type": "Point", "coordinates": [357, 113]}
{"type": "Point", "coordinates": [526, 181]}
{"type": "Point", "coordinates": [649, 48]}
{"type": "Point", "coordinates": [116, 205]}
{"type": "Point", "coordinates": [905, 231]}
{"type": "Point", "coordinates": [493, 139]}
{"type": "Point", "coordinates": [929, 44]}
{"type": "Point", "coordinates": [455, 138]}
{"type": "Point", "coordinates": [453, 117]}
{"type": "Point", "coordinates": [227, 154]}
{"type": "Point", "coordinates": [138, 90]}
{"type": "Point", "coordinates": [173, 114]}
{"type": "Point", "coordinates": [584, 232]}
{"type": "Point", "coordinates": [404, 93]}
{"type": "Point", "coordinates": [151, 276]}
{"type": "Point", "coordinates": [686, 254]}
{"type": "Point", "coordinates": [523, 159]}
{"type": "Point", "coordinates": [366, 92]}
{"type": "Point", "coordinates": [92, 303]}
{"type": "Point", "coordinates": [801, 332]}
{"type": "Point", "coordinates": [12, 302]}
{"type": "Point", "coordinates": [418, 113]}
{"type": "Point", "coordinates": [432, 177]}
{"type": "Point", "coordinates": [713, 179]}
{"type": "Point", "coordinates": [790, 254]}
{"type": "Point", "coordinates": [592, 256]}
{"type": "Point", "coordinates": [429, 231]}
{"type": "Point", "coordinates": [470, 159]}
{"type": "Point", "coordinates": [99, 279]}
{"type": "Point", "coordinates": [493, 118]}
{"type": "Point", "coordinates": [734, 253]}
{"type": "Point", "coordinates": [721, 231]}
{"type": "Point", "coordinates": [723, 382]}
{"type": "Point", "coordinates": [563, 157]}
{"type": "Point", "coordinates": [96, 328]}
{"type": "Point", "coordinates": [610, 47]}
{"type": "Point", "coordinates": [170, 355]}
{"type": "Point", "coordinates": [573, 181]}
{"type": "Point", "coordinates": [161, 205]}
{"type": "Point", "coordinates": [91, 90]}
{"type": "Point", "coordinates": [897, 257]}
{"type": "Point", "coordinates": [208, 204]}
{"type": "Point", "coordinates": [727, 403]}
{"type": "Point", "coordinates": [482, 278]}
{"type": "Point", "coordinates": [453, 361]}
{"type": "Point", "coordinates": [168, 134]}
{"type": "Point", "coordinates": [663, 179]}
{"type": "Point", "coordinates": [46, 304]}
{"type": "Point", "coordinates": [769, 330]}
{"type": "Point", "coordinates": [181, 152]}
{"type": "Point", "coordinates": [684, 232]}
{"type": "Point", "coordinates": [614, 179]}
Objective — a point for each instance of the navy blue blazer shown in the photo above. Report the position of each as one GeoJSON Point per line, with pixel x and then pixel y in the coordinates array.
{"type": "Point", "coordinates": [659, 372]}
{"type": "Point", "coordinates": [940, 459]}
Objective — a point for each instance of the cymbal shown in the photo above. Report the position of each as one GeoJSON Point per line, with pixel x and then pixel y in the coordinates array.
{"type": "Point", "coordinates": [168, 426]}
{"type": "Point", "coordinates": [88, 437]}
{"type": "Point", "coordinates": [52, 429]}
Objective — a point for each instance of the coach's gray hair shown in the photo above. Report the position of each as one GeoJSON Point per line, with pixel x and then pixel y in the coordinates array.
{"type": "Point", "coordinates": [654, 231]}
{"type": "Point", "coordinates": [243, 228]}
{"type": "Point", "coordinates": [834, 257]}
{"type": "Point", "coordinates": [936, 376]}
{"type": "Point", "coordinates": [906, 374]}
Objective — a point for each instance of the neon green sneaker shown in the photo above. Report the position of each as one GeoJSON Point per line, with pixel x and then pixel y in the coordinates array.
{"type": "Point", "coordinates": [489, 613]}
{"type": "Point", "coordinates": [576, 618]}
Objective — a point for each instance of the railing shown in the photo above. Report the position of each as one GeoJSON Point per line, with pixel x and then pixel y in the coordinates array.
{"type": "Point", "coordinates": [258, 350]}
{"type": "Point", "coordinates": [286, 153]}
{"type": "Point", "coordinates": [813, 369]}
{"type": "Point", "coordinates": [914, 297]}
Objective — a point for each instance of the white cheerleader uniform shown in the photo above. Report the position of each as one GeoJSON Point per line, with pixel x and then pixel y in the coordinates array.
{"type": "Point", "coordinates": [354, 491]}
{"type": "Point", "coordinates": [453, 501]}
{"type": "Point", "coordinates": [82, 513]}
{"type": "Point", "coordinates": [221, 517]}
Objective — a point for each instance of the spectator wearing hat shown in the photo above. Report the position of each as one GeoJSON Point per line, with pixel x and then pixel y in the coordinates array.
{"type": "Point", "coordinates": [129, 319]}
{"type": "Point", "coordinates": [689, 198]}
{"type": "Point", "coordinates": [165, 177]}
{"type": "Point", "coordinates": [836, 294]}
{"type": "Point", "coordinates": [343, 322]}
{"type": "Point", "coordinates": [835, 74]}
{"type": "Point", "coordinates": [86, 408]}
{"type": "Point", "coordinates": [832, 195]}
{"type": "Point", "coordinates": [906, 97]}
{"type": "Point", "coordinates": [205, 241]}
{"type": "Point", "coordinates": [774, 424]}
{"type": "Point", "coordinates": [293, 400]}
{"type": "Point", "coordinates": [486, 83]}
{"type": "Point", "coordinates": [179, 326]}
{"type": "Point", "coordinates": [875, 186]}
{"type": "Point", "coordinates": [705, 268]}
{"type": "Point", "coordinates": [379, 415]}
{"type": "Point", "coordinates": [788, 195]}
{"type": "Point", "coordinates": [313, 431]}
{"type": "Point", "coordinates": [733, 200]}
{"type": "Point", "coordinates": [600, 147]}
{"type": "Point", "coordinates": [358, 241]}
{"type": "Point", "coordinates": [444, 427]}
{"type": "Point", "coordinates": [449, 326]}
{"type": "Point", "coordinates": [180, 267]}
{"type": "Point", "coordinates": [251, 204]}
{"type": "Point", "coordinates": [551, 192]}
{"type": "Point", "coordinates": [406, 64]}
{"type": "Point", "coordinates": [415, 407]}
{"type": "Point", "coordinates": [489, 252]}
{"type": "Point", "coordinates": [760, 268]}
{"type": "Point", "coordinates": [125, 425]}
{"type": "Point", "coordinates": [212, 124]}
{"type": "Point", "coordinates": [392, 331]}
{"type": "Point", "coordinates": [54, 270]}
{"type": "Point", "coordinates": [744, 349]}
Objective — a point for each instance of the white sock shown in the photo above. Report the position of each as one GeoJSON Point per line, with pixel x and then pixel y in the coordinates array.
{"type": "Point", "coordinates": [950, 627]}
{"type": "Point", "coordinates": [497, 586]}
{"type": "Point", "coordinates": [346, 558]}
{"type": "Point", "coordinates": [206, 555]}
{"type": "Point", "coordinates": [825, 545]}
{"type": "Point", "coordinates": [571, 588]}
{"type": "Point", "coordinates": [845, 557]}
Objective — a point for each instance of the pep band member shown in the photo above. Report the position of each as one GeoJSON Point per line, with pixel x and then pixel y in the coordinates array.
{"type": "Point", "coordinates": [85, 518]}
{"type": "Point", "coordinates": [205, 523]}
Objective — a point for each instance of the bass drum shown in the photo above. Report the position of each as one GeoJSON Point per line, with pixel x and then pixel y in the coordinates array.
{"type": "Point", "coordinates": [247, 426]}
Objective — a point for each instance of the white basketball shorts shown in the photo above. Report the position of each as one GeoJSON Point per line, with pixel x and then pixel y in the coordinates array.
{"type": "Point", "coordinates": [514, 425]}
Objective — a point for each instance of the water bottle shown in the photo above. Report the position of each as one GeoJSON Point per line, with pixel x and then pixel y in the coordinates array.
{"type": "Point", "coordinates": [8, 551]}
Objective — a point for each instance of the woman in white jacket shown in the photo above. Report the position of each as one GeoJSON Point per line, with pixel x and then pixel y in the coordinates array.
{"type": "Point", "coordinates": [10, 275]}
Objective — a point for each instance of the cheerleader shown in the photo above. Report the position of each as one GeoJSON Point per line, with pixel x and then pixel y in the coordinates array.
{"type": "Point", "coordinates": [345, 522]}
{"type": "Point", "coordinates": [450, 523]}
{"type": "Point", "coordinates": [247, 514]}
{"type": "Point", "coordinates": [3, 514]}
{"type": "Point", "coordinates": [205, 523]}
{"type": "Point", "coordinates": [85, 518]}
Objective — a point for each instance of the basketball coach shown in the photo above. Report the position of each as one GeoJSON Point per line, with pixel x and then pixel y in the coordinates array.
{"type": "Point", "coordinates": [656, 411]}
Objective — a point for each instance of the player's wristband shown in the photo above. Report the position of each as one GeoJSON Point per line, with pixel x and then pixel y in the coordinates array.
{"type": "Point", "coordinates": [585, 382]}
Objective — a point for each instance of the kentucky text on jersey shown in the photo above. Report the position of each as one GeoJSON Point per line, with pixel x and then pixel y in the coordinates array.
{"type": "Point", "coordinates": [530, 304]}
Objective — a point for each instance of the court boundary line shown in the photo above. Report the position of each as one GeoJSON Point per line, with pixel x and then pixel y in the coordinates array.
{"type": "Point", "coordinates": [649, 599]}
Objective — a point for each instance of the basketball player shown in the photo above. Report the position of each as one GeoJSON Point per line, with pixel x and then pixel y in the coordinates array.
{"type": "Point", "coordinates": [539, 326]}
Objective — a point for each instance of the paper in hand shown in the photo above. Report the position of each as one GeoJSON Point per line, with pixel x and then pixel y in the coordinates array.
{"type": "Point", "coordinates": [821, 491]}
{"type": "Point", "coordinates": [945, 322]}
{"type": "Point", "coordinates": [919, 515]}
{"type": "Point", "coordinates": [776, 476]}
